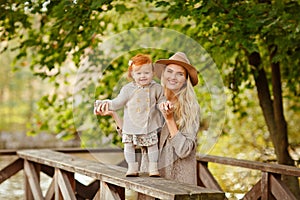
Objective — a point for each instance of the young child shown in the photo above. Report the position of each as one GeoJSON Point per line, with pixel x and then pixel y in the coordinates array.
{"type": "Point", "coordinates": [142, 118]}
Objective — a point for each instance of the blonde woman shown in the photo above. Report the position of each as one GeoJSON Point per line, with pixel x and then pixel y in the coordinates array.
{"type": "Point", "coordinates": [178, 137]}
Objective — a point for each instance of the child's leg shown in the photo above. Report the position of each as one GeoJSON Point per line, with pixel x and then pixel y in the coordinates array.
{"type": "Point", "coordinates": [153, 158]}
{"type": "Point", "coordinates": [153, 153]}
{"type": "Point", "coordinates": [129, 153]}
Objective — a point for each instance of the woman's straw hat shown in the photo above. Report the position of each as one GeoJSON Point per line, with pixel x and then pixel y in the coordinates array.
{"type": "Point", "coordinates": [178, 58]}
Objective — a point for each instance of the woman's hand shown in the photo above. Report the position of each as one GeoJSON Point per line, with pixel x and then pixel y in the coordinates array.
{"type": "Point", "coordinates": [101, 108]}
{"type": "Point", "coordinates": [167, 109]}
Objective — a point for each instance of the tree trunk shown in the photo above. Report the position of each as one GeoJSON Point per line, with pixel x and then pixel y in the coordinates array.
{"type": "Point", "coordinates": [274, 115]}
{"type": "Point", "coordinates": [281, 133]}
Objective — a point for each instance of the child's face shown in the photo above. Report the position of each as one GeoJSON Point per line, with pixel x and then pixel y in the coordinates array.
{"type": "Point", "coordinates": [142, 75]}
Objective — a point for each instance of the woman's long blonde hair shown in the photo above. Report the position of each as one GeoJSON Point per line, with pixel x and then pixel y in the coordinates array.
{"type": "Point", "coordinates": [187, 109]}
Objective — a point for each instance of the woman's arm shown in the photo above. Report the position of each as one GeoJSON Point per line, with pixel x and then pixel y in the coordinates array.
{"type": "Point", "coordinates": [167, 110]}
{"type": "Point", "coordinates": [183, 143]}
{"type": "Point", "coordinates": [172, 126]}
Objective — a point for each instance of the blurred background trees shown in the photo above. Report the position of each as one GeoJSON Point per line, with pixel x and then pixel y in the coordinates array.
{"type": "Point", "coordinates": [255, 45]}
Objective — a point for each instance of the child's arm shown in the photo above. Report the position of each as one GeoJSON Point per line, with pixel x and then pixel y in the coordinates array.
{"type": "Point", "coordinates": [102, 110]}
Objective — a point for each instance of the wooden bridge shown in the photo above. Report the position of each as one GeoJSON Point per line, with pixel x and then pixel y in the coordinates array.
{"type": "Point", "coordinates": [110, 182]}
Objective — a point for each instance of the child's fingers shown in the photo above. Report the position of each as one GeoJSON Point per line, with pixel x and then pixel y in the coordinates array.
{"type": "Point", "coordinates": [99, 108]}
{"type": "Point", "coordinates": [104, 107]}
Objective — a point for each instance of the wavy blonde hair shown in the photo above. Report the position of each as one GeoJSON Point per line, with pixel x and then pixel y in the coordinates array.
{"type": "Point", "coordinates": [187, 109]}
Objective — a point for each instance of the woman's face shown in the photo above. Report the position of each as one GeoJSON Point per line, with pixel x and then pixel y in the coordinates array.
{"type": "Point", "coordinates": [174, 77]}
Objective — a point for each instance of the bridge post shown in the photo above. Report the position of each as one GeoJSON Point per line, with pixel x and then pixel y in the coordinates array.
{"type": "Point", "coordinates": [32, 180]}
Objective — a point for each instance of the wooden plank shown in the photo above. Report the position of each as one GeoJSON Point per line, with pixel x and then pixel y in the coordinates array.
{"type": "Point", "coordinates": [50, 192]}
{"type": "Point", "coordinates": [280, 190]}
{"type": "Point", "coordinates": [57, 193]}
{"type": "Point", "coordinates": [11, 170]}
{"type": "Point", "coordinates": [254, 193]}
{"type": "Point", "coordinates": [107, 192]}
{"type": "Point", "coordinates": [97, 195]}
{"type": "Point", "coordinates": [265, 190]}
{"type": "Point", "coordinates": [207, 178]}
{"type": "Point", "coordinates": [64, 185]}
{"type": "Point", "coordinates": [47, 170]}
{"type": "Point", "coordinates": [265, 167]}
{"type": "Point", "coordinates": [141, 196]}
{"type": "Point", "coordinates": [115, 175]}
{"type": "Point", "coordinates": [8, 152]}
{"type": "Point", "coordinates": [28, 193]}
{"type": "Point", "coordinates": [5, 152]}
{"type": "Point", "coordinates": [33, 179]}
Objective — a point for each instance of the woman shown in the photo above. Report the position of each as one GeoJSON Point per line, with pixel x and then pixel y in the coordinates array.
{"type": "Point", "coordinates": [178, 137]}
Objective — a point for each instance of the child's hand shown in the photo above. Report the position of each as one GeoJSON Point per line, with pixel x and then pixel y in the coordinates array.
{"type": "Point", "coordinates": [166, 108]}
{"type": "Point", "coordinates": [101, 108]}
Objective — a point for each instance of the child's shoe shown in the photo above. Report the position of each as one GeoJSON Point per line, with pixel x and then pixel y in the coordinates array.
{"type": "Point", "coordinates": [132, 169]}
{"type": "Point", "coordinates": [153, 171]}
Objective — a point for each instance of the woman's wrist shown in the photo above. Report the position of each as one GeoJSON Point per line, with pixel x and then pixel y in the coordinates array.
{"type": "Point", "coordinates": [172, 126]}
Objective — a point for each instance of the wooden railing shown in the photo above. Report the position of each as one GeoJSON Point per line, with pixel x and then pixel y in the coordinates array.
{"type": "Point", "coordinates": [109, 180]}
{"type": "Point", "coordinates": [269, 186]}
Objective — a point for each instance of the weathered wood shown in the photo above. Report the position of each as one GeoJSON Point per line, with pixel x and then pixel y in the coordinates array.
{"type": "Point", "coordinates": [264, 167]}
{"type": "Point", "coordinates": [11, 170]}
{"type": "Point", "coordinates": [97, 195]}
{"type": "Point", "coordinates": [47, 170]}
{"type": "Point", "coordinates": [254, 193]}
{"type": "Point", "coordinates": [64, 185]}
{"type": "Point", "coordinates": [71, 150]}
{"type": "Point", "coordinates": [57, 193]}
{"type": "Point", "coordinates": [50, 192]}
{"type": "Point", "coordinates": [280, 190]}
{"type": "Point", "coordinates": [206, 178]}
{"type": "Point", "coordinates": [107, 192]}
{"type": "Point", "coordinates": [115, 175]}
{"type": "Point", "coordinates": [265, 186]}
{"type": "Point", "coordinates": [8, 152]}
{"type": "Point", "coordinates": [32, 176]}
{"type": "Point", "coordinates": [141, 196]}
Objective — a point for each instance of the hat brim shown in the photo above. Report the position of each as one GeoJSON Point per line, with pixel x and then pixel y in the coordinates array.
{"type": "Point", "coordinates": [162, 63]}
